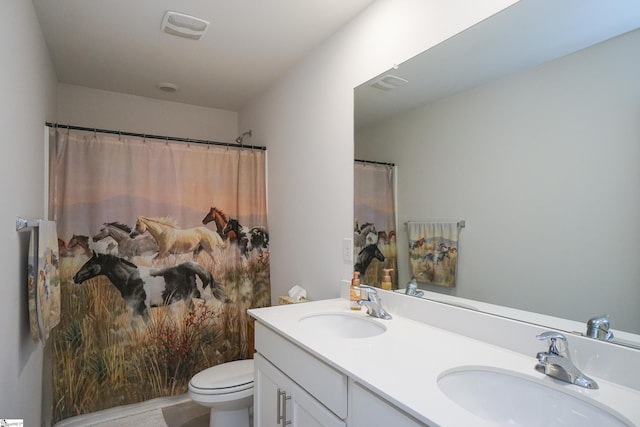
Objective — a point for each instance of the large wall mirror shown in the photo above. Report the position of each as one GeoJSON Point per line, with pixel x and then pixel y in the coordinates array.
{"type": "Point", "coordinates": [526, 126]}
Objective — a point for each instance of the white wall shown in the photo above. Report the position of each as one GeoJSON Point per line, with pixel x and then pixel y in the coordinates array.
{"type": "Point", "coordinates": [306, 121]}
{"type": "Point", "coordinates": [32, 97]}
{"type": "Point", "coordinates": [543, 167]}
{"type": "Point", "coordinates": [86, 107]}
{"type": "Point", "coordinates": [28, 101]}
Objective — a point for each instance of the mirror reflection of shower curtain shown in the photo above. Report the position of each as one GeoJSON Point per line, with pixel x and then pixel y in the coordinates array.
{"type": "Point", "coordinates": [374, 234]}
{"type": "Point", "coordinates": [167, 309]}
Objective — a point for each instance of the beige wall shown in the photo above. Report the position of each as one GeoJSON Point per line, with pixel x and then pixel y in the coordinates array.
{"type": "Point", "coordinates": [28, 101]}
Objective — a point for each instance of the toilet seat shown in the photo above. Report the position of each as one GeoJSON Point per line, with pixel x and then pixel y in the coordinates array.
{"type": "Point", "coordinates": [227, 378]}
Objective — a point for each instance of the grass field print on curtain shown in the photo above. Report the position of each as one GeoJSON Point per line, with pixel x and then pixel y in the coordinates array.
{"type": "Point", "coordinates": [374, 234]}
{"type": "Point", "coordinates": [163, 248]}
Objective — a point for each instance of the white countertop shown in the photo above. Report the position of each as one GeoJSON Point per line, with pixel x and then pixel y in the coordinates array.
{"type": "Point", "coordinates": [403, 364]}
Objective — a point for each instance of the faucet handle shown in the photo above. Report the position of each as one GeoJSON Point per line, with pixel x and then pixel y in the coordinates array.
{"type": "Point", "coordinates": [373, 303]}
{"type": "Point", "coordinates": [553, 336]}
{"type": "Point", "coordinates": [369, 291]}
{"type": "Point", "coordinates": [598, 327]}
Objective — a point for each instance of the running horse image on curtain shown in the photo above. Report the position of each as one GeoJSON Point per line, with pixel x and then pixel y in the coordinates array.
{"type": "Point", "coordinates": [163, 247]}
{"type": "Point", "coordinates": [374, 233]}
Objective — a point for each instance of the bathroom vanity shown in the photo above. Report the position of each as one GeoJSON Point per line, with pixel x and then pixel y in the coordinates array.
{"type": "Point", "coordinates": [321, 364]}
{"type": "Point", "coordinates": [293, 385]}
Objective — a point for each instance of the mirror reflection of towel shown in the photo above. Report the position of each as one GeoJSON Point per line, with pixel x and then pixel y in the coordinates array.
{"type": "Point", "coordinates": [433, 252]}
{"type": "Point", "coordinates": [44, 280]}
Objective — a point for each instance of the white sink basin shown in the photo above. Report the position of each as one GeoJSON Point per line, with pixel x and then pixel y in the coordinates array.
{"type": "Point", "coordinates": [343, 325]}
{"type": "Point", "coordinates": [509, 398]}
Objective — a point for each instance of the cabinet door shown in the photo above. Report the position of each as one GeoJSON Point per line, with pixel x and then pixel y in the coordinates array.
{"type": "Point", "coordinates": [308, 412]}
{"type": "Point", "coordinates": [324, 383]}
{"type": "Point", "coordinates": [279, 402]}
{"type": "Point", "coordinates": [367, 409]}
{"type": "Point", "coordinates": [265, 394]}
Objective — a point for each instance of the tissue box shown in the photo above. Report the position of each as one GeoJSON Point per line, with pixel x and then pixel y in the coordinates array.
{"type": "Point", "coordinates": [288, 300]}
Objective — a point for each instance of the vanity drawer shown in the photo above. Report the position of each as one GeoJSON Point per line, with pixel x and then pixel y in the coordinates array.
{"type": "Point", "coordinates": [319, 379]}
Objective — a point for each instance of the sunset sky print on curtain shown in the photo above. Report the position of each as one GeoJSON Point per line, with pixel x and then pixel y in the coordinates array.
{"type": "Point", "coordinates": [374, 234]}
{"type": "Point", "coordinates": [163, 248]}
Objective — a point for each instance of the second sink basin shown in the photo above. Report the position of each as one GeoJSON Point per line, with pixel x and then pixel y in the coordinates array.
{"type": "Point", "coordinates": [343, 325]}
{"type": "Point", "coordinates": [511, 399]}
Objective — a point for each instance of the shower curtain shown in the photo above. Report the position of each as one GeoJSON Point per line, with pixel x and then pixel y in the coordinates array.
{"type": "Point", "coordinates": [374, 233]}
{"type": "Point", "coordinates": [163, 248]}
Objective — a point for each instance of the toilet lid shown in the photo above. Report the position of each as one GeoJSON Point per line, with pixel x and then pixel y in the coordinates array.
{"type": "Point", "coordinates": [227, 377]}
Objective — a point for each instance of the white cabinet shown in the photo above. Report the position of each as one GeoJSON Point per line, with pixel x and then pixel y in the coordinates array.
{"type": "Point", "coordinates": [366, 409]}
{"type": "Point", "coordinates": [317, 378]}
{"type": "Point", "coordinates": [280, 402]}
{"type": "Point", "coordinates": [267, 403]}
{"type": "Point", "coordinates": [294, 388]}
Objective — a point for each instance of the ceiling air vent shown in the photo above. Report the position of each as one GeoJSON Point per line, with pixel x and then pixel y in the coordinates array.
{"type": "Point", "coordinates": [388, 82]}
{"type": "Point", "coordinates": [181, 25]}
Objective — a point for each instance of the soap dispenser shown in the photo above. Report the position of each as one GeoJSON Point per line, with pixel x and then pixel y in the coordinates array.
{"type": "Point", "coordinates": [354, 291]}
{"type": "Point", "coordinates": [386, 279]}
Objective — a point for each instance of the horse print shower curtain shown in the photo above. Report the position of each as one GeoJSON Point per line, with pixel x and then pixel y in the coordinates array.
{"type": "Point", "coordinates": [374, 234]}
{"type": "Point", "coordinates": [163, 248]}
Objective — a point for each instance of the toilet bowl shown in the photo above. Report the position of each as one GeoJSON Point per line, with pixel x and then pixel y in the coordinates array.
{"type": "Point", "coordinates": [228, 390]}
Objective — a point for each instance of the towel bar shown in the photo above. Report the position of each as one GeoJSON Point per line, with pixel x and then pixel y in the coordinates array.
{"type": "Point", "coordinates": [461, 223]}
{"type": "Point", "coordinates": [22, 224]}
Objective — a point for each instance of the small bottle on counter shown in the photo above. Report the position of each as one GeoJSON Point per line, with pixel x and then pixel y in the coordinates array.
{"type": "Point", "coordinates": [354, 291]}
{"type": "Point", "coordinates": [386, 279]}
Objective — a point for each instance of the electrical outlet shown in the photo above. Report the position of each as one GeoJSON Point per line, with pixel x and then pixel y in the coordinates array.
{"type": "Point", "coordinates": [347, 250]}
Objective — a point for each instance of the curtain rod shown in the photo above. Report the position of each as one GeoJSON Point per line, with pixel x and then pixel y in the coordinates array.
{"type": "Point", "coordinates": [375, 163]}
{"type": "Point", "coordinates": [159, 137]}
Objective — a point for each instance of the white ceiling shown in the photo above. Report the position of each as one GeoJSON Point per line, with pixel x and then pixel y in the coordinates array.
{"type": "Point", "coordinates": [117, 45]}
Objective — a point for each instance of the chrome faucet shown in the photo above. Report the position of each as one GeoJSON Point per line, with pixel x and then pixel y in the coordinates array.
{"type": "Point", "coordinates": [598, 328]}
{"type": "Point", "coordinates": [559, 366]}
{"type": "Point", "coordinates": [412, 289]}
{"type": "Point", "coordinates": [373, 304]}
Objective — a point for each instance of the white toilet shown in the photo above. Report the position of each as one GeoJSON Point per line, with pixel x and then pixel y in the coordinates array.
{"type": "Point", "coordinates": [228, 390]}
